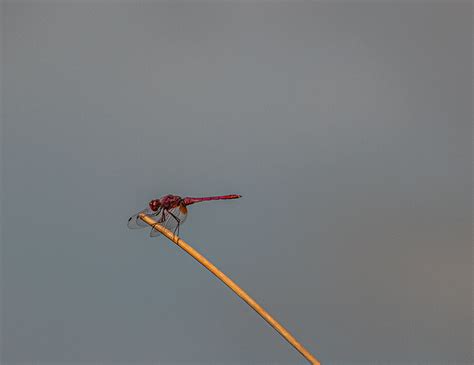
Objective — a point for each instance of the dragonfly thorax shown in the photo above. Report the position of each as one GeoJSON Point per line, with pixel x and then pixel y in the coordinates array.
{"type": "Point", "coordinates": [170, 201]}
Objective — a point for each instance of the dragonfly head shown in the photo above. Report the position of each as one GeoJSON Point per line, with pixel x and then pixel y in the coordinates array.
{"type": "Point", "coordinates": [154, 204]}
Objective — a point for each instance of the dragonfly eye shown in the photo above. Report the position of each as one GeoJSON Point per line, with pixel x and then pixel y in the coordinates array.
{"type": "Point", "coordinates": [154, 205]}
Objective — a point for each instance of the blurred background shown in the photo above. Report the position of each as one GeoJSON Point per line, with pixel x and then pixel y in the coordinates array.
{"type": "Point", "coordinates": [346, 128]}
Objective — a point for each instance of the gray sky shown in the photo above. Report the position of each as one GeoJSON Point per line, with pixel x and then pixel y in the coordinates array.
{"type": "Point", "coordinates": [346, 128]}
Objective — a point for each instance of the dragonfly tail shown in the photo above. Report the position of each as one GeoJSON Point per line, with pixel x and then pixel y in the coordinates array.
{"type": "Point", "coordinates": [189, 200]}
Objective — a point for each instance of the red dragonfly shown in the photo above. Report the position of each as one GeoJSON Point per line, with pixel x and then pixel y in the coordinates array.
{"type": "Point", "coordinates": [170, 211]}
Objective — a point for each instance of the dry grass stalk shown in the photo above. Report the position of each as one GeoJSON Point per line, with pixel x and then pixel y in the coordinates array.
{"type": "Point", "coordinates": [233, 286]}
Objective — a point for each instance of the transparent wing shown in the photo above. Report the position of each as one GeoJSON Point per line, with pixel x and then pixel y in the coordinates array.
{"type": "Point", "coordinates": [171, 219]}
{"type": "Point", "coordinates": [135, 222]}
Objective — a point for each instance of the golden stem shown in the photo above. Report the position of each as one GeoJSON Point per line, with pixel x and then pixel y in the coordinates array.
{"type": "Point", "coordinates": [233, 286]}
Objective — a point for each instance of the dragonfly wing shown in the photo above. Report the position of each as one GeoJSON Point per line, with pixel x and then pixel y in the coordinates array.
{"type": "Point", "coordinates": [171, 219]}
{"type": "Point", "coordinates": [135, 222]}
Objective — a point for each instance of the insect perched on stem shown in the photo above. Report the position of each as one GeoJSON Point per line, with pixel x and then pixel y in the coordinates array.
{"type": "Point", "coordinates": [170, 211]}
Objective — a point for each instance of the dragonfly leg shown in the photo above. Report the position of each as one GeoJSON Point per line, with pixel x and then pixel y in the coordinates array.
{"type": "Point", "coordinates": [160, 220]}
{"type": "Point", "coordinates": [177, 220]}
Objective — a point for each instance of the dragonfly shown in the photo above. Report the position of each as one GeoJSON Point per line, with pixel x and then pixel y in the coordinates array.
{"type": "Point", "coordinates": [170, 211]}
